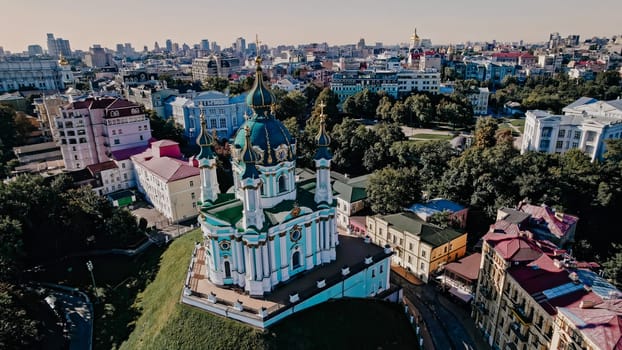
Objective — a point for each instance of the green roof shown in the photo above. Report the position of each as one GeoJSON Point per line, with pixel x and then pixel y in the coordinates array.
{"type": "Point", "coordinates": [230, 211]}
{"type": "Point", "coordinates": [352, 190]}
{"type": "Point", "coordinates": [428, 233]}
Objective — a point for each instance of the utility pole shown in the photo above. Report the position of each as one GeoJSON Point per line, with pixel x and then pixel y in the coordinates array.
{"type": "Point", "coordinates": [89, 266]}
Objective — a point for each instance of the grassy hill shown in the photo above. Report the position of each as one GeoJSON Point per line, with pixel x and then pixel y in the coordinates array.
{"type": "Point", "coordinates": [166, 324]}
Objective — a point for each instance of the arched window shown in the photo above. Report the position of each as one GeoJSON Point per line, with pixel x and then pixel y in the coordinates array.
{"type": "Point", "coordinates": [282, 183]}
{"type": "Point", "coordinates": [227, 269]}
{"type": "Point", "coordinates": [296, 260]}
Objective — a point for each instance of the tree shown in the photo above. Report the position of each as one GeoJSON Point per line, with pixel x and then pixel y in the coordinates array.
{"type": "Point", "coordinates": [23, 128]}
{"type": "Point", "coordinates": [378, 154]}
{"type": "Point", "coordinates": [215, 83]}
{"type": "Point", "coordinates": [291, 124]}
{"type": "Point", "coordinates": [7, 130]}
{"type": "Point", "coordinates": [444, 219]}
{"type": "Point", "coordinates": [399, 112]}
{"type": "Point", "coordinates": [420, 107]}
{"type": "Point", "coordinates": [384, 108]}
{"type": "Point", "coordinates": [390, 190]}
{"type": "Point", "coordinates": [613, 266]}
{"type": "Point", "coordinates": [293, 104]}
{"type": "Point", "coordinates": [19, 329]}
{"type": "Point", "coordinates": [162, 129]}
{"type": "Point", "coordinates": [350, 140]}
{"type": "Point", "coordinates": [11, 246]}
{"type": "Point", "coordinates": [485, 129]}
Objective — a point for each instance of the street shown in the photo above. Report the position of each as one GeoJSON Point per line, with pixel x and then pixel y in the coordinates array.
{"type": "Point", "coordinates": [449, 324]}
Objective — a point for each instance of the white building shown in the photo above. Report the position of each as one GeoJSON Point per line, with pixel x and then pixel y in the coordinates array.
{"type": "Point", "coordinates": [428, 80]}
{"type": "Point", "coordinates": [223, 113]}
{"type": "Point", "coordinates": [90, 130]}
{"type": "Point", "coordinates": [33, 74]}
{"type": "Point", "coordinates": [170, 184]}
{"type": "Point", "coordinates": [585, 125]}
{"type": "Point", "coordinates": [479, 100]}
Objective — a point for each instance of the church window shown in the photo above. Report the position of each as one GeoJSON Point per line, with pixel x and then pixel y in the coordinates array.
{"type": "Point", "coordinates": [282, 183]}
{"type": "Point", "coordinates": [381, 269]}
{"type": "Point", "coordinates": [373, 273]}
{"type": "Point", "coordinates": [227, 269]}
{"type": "Point", "coordinates": [296, 260]}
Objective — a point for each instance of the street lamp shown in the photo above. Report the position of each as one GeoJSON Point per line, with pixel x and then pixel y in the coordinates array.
{"type": "Point", "coordinates": [89, 266]}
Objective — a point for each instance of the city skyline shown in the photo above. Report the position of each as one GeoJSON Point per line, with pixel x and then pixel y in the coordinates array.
{"type": "Point", "coordinates": [277, 22]}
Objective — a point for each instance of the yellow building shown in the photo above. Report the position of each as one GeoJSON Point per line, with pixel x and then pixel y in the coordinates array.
{"type": "Point", "coordinates": [420, 247]}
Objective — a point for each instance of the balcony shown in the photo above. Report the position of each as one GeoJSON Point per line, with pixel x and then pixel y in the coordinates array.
{"type": "Point", "coordinates": [521, 315]}
{"type": "Point", "coordinates": [515, 327]}
{"type": "Point", "coordinates": [481, 308]}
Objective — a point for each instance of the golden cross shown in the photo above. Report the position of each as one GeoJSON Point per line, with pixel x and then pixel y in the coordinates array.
{"type": "Point", "coordinates": [322, 105]}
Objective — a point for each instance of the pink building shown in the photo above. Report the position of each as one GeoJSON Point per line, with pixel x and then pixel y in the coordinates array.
{"type": "Point", "coordinates": [89, 131]}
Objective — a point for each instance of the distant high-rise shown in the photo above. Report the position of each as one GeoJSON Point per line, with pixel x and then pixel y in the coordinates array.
{"type": "Point", "coordinates": [35, 50]}
{"type": "Point", "coordinates": [156, 47]}
{"type": "Point", "coordinates": [205, 44]}
{"type": "Point", "coordinates": [361, 44]}
{"type": "Point", "coordinates": [215, 47]}
{"type": "Point", "coordinates": [52, 49]}
{"type": "Point", "coordinates": [58, 46]}
{"type": "Point", "coordinates": [169, 45]}
{"type": "Point", "coordinates": [174, 47]}
{"type": "Point", "coordinates": [120, 49]}
{"type": "Point", "coordinates": [240, 44]}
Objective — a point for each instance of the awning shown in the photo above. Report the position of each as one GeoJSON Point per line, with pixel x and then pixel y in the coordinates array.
{"type": "Point", "coordinates": [460, 294]}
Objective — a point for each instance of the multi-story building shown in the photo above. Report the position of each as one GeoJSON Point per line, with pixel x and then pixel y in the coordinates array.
{"type": "Point", "coordinates": [90, 130]}
{"type": "Point", "coordinates": [526, 290]}
{"type": "Point", "coordinates": [169, 183]}
{"type": "Point", "coordinates": [224, 114]}
{"type": "Point", "coordinates": [215, 65]}
{"type": "Point", "coordinates": [541, 221]}
{"type": "Point", "coordinates": [585, 124]}
{"type": "Point", "coordinates": [394, 83]}
{"type": "Point", "coordinates": [420, 247]}
{"type": "Point", "coordinates": [428, 80]}
{"type": "Point", "coordinates": [58, 46]}
{"type": "Point", "coordinates": [479, 100]}
{"type": "Point", "coordinates": [31, 74]}
{"type": "Point", "coordinates": [348, 83]}
{"type": "Point", "coordinates": [151, 96]}
{"type": "Point", "coordinates": [97, 57]}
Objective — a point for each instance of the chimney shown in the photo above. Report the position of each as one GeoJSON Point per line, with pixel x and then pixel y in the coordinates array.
{"type": "Point", "coordinates": [586, 304]}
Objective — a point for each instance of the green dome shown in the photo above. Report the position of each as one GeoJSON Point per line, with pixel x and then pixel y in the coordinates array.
{"type": "Point", "coordinates": [260, 98]}
{"type": "Point", "coordinates": [267, 134]}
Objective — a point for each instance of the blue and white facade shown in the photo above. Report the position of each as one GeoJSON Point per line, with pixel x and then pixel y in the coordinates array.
{"type": "Point", "coordinates": [269, 228]}
{"type": "Point", "coordinates": [223, 113]}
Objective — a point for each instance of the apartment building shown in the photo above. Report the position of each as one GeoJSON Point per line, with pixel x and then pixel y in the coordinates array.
{"type": "Point", "coordinates": [31, 74]}
{"type": "Point", "coordinates": [526, 286]}
{"type": "Point", "coordinates": [420, 247]}
{"type": "Point", "coordinates": [90, 130]}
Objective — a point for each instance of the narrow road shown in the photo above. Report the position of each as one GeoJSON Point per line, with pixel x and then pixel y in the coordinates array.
{"type": "Point", "coordinates": [449, 324]}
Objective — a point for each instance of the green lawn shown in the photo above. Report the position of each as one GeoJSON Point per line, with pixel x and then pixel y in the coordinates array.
{"type": "Point", "coordinates": [164, 323]}
{"type": "Point", "coordinates": [431, 137]}
{"type": "Point", "coordinates": [519, 123]}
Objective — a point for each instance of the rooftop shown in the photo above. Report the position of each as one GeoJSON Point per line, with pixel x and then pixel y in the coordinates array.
{"type": "Point", "coordinates": [351, 252]}
{"type": "Point", "coordinates": [428, 233]}
{"type": "Point", "coordinates": [467, 267]}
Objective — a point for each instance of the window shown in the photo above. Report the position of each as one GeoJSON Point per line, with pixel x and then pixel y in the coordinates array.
{"type": "Point", "coordinates": [191, 183]}
{"type": "Point", "coordinates": [75, 157]}
{"type": "Point", "coordinates": [73, 148]}
{"type": "Point", "coordinates": [227, 269]}
{"type": "Point", "coordinates": [114, 132]}
{"type": "Point", "coordinates": [559, 144]}
{"type": "Point", "coordinates": [575, 145]}
{"type": "Point", "coordinates": [410, 246]}
{"type": "Point", "coordinates": [123, 165]}
{"type": "Point", "coordinates": [192, 195]}
{"type": "Point", "coordinates": [141, 137]}
{"type": "Point", "coordinates": [117, 141]}
{"type": "Point", "coordinates": [125, 176]}
{"type": "Point", "coordinates": [423, 266]}
{"type": "Point", "coordinates": [410, 259]}
{"type": "Point", "coordinates": [282, 183]}
{"type": "Point", "coordinates": [373, 273]}
{"type": "Point", "coordinates": [381, 269]}
{"type": "Point", "coordinates": [296, 260]}
{"type": "Point", "coordinates": [212, 123]}
{"type": "Point", "coordinates": [223, 123]}
{"type": "Point", "coordinates": [423, 253]}
{"type": "Point", "coordinates": [577, 135]}
{"type": "Point", "coordinates": [561, 133]}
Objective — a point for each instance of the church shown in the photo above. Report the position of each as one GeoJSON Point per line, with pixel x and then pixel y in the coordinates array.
{"type": "Point", "coordinates": [271, 242]}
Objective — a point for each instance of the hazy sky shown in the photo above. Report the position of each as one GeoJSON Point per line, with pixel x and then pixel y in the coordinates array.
{"type": "Point", "coordinates": [142, 22]}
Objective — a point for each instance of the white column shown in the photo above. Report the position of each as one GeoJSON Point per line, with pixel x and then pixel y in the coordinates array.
{"type": "Point", "coordinates": [240, 255]}
{"type": "Point", "coordinates": [320, 231]}
{"type": "Point", "coordinates": [308, 246]}
{"type": "Point", "coordinates": [249, 263]}
{"type": "Point", "coordinates": [266, 264]}
{"type": "Point", "coordinates": [258, 267]}
{"type": "Point", "coordinates": [284, 259]}
{"type": "Point", "coordinates": [273, 267]}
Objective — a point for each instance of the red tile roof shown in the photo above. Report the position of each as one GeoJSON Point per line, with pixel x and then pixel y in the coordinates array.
{"type": "Point", "coordinates": [124, 154]}
{"type": "Point", "coordinates": [602, 324]}
{"type": "Point", "coordinates": [99, 167]}
{"type": "Point", "coordinates": [467, 267]}
{"type": "Point", "coordinates": [558, 223]}
{"type": "Point", "coordinates": [513, 247]}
